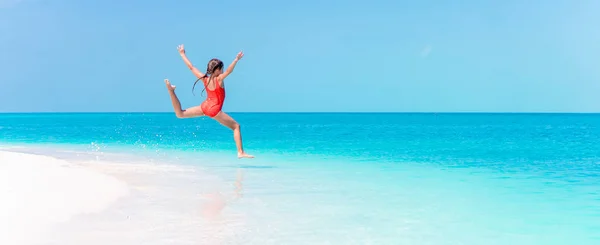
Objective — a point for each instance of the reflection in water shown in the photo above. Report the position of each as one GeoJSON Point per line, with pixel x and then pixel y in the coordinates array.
{"type": "Point", "coordinates": [219, 229]}
{"type": "Point", "coordinates": [216, 201]}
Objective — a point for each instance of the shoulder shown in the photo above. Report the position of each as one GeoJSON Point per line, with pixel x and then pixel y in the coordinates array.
{"type": "Point", "coordinates": [220, 78]}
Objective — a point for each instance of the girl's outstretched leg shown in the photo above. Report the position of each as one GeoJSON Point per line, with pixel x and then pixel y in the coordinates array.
{"type": "Point", "coordinates": [227, 121]}
{"type": "Point", "coordinates": [195, 111]}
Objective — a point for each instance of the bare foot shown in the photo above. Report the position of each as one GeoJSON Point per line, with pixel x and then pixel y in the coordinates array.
{"type": "Point", "coordinates": [169, 86]}
{"type": "Point", "coordinates": [244, 155]}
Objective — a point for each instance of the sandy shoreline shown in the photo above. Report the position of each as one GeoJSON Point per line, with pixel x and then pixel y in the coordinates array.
{"type": "Point", "coordinates": [39, 191]}
{"type": "Point", "coordinates": [46, 200]}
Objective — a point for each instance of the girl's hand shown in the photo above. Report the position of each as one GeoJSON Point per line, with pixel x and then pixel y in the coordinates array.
{"type": "Point", "coordinates": [180, 49]}
{"type": "Point", "coordinates": [239, 55]}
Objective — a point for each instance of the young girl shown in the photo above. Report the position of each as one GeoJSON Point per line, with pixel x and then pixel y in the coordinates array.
{"type": "Point", "coordinates": [213, 82]}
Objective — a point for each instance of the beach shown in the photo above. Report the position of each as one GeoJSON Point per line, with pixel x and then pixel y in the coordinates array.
{"type": "Point", "coordinates": [369, 123]}
{"type": "Point", "coordinates": [53, 201]}
{"type": "Point", "coordinates": [411, 179]}
{"type": "Point", "coordinates": [40, 191]}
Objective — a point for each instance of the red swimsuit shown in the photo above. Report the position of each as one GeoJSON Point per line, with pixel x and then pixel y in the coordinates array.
{"type": "Point", "coordinates": [214, 98]}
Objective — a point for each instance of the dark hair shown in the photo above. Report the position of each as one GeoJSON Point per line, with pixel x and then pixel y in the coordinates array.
{"type": "Point", "coordinates": [213, 65]}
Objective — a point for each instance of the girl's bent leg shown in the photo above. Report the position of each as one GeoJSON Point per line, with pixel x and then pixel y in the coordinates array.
{"type": "Point", "coordinates": [227, 121]}
{"type": "Point", "coordinates": [195, 111]}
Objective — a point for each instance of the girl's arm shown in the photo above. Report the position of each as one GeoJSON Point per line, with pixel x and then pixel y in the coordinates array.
{"type": "Point", "coordinates": [232, 65]}
{"type": "Point", "coordinates": [188, 63]}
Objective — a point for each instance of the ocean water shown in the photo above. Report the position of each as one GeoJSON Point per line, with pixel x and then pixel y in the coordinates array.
{"type": "Point", "coordinates": [342, 178]}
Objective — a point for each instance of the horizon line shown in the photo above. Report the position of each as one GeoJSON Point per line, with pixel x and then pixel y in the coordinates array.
{"type": "Point", "coordinates": [308, 112]}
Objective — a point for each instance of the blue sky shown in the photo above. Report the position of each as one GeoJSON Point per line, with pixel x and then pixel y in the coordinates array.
{"type": "Point", "coordinates": [471, 55]}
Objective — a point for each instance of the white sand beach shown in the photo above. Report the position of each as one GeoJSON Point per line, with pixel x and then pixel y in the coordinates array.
{"type": "Point", "coordinates": [46, 200]}
{"type": "Point", "coordinates": [39, 191]}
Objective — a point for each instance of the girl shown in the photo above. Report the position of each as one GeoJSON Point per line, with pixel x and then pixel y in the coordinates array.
{"type": "Point", "coordinates": [213, 82]}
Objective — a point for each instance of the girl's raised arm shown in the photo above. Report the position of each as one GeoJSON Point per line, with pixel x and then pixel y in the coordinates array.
{"type": "Point", "coordinates": [232, 65]}
{"type": "Point", "coordinates": [196, 72]}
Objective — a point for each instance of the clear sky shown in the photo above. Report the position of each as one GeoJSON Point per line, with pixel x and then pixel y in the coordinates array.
{"type": "Point", "coordinates": [341, 55]}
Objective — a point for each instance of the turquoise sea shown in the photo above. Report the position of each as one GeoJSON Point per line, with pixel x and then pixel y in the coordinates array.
{"type": "Point", "coordinates": [351, 178]}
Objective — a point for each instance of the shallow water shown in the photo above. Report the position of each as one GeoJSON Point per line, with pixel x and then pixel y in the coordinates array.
{"type": "Point", "coordinates": [334, 178]}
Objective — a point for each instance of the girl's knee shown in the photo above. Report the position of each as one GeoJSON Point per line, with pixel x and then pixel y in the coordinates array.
{"type": "Point", "coordinates": [236, 126]}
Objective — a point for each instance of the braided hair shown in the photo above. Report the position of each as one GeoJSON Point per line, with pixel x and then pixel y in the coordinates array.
{"type": "Point", "coordinates": [213, 65]}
